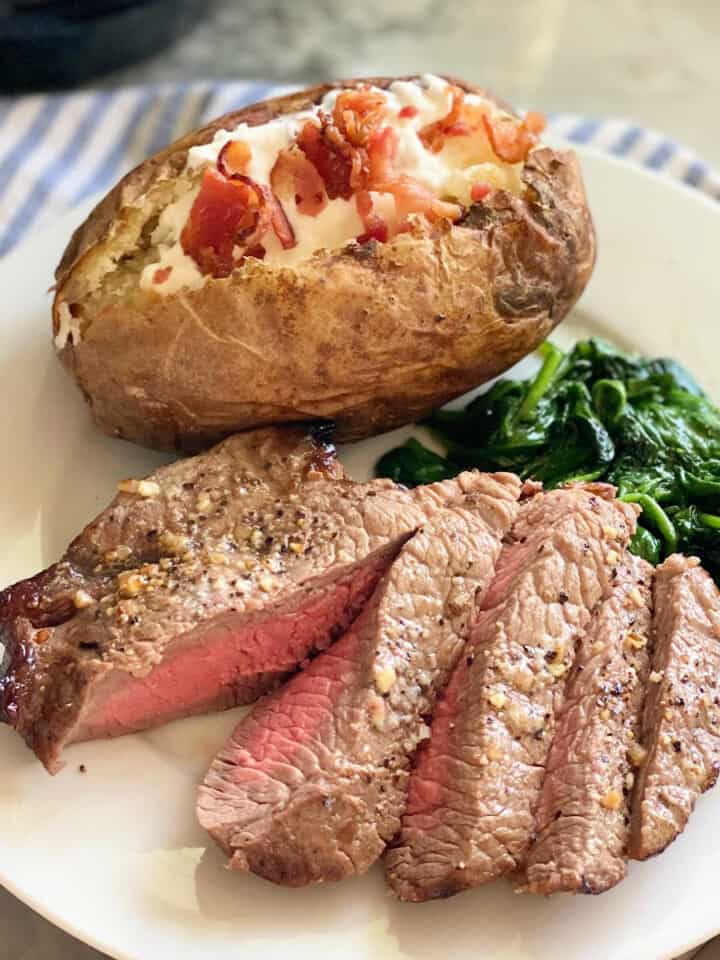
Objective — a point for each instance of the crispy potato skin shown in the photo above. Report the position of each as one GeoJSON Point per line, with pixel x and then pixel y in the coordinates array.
{"type": "Point", "coordinates": [371, 337]}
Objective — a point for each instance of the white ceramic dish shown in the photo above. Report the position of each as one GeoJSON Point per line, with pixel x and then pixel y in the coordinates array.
{"type": "Point", "coordinates": [114, 856]}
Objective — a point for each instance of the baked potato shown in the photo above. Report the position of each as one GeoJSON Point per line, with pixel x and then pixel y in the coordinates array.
{"type": "Point", "coordinates": [362, 252]}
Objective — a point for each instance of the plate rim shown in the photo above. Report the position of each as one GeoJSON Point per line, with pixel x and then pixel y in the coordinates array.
{"type": "Point", "coordinates": [77, 213]}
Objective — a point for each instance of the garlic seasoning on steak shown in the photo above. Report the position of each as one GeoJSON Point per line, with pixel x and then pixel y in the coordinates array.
{"type": "Point", "coordinates": [681, 722]}
{"type": "Point", "coordinates": [475, 787]}
{"type": "Point", "coordinates": [582, 818]}
{"type": "Point", "coordinates": [311, 785]}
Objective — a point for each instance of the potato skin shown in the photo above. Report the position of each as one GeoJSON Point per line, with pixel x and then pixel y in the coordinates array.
{"type": "Point", "coordinates": [372, 336]}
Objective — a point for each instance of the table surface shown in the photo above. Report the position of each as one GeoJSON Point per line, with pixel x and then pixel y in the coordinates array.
{"type": "Point", "coordinates": [653, 60]}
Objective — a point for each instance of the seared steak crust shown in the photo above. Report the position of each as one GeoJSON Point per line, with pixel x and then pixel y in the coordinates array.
{"type": "Point", "coordinates": [681, 722]}
{"type": "Point", "coordinates": [583, 815]}
{"type": "Point", "coordinates": [312, 784]}
{"type": "Point", "coordinates": [198, 589]}
{"type": "Point", "coordinates": [476, 784]}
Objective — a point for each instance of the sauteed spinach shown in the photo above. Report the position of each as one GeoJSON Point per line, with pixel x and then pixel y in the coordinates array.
{"type": "Point", "coordinates": [594, 413]}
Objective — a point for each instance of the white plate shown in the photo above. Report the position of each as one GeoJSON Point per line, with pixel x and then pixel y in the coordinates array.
{"type": "Point", "coordinates": [114, 855]}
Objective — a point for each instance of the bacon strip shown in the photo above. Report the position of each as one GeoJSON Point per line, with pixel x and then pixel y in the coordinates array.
{"type": "Point", "coordinates": [278, 219]}
{"type": "Point", "coordinates": [229, 212]}
{"type": "Point", "coordinates": [382, 156]}
{"type": "Point", "coordinates": [224, 211]}
{"type": "Point", "coordinates": [234, 158]}
{"type": "Point", "coordinates": [331, 155]}
{"type": "Point", "coordinates": [293, 175]}
{"type": "Point", "coordinates": [479, 191]}
{"type": "Point", "coordinates": [410, 195]}
{"type": "Point", "coordinates": [161, 275]}
{"type": "Point", "coordinates": [375, 226]}
{"type": "Point", "coordinates": [358, 113]}
{"type": "Point", "coordinates": [337, 147]}
{"type": "Point", "coordinates": [512, 140]}
{"type": "Point", "coordinates": [433, 135]}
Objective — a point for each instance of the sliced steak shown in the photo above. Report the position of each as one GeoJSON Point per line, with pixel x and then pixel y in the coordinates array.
{"type": "Point", "coordinates": [312, 784]}
{"type": "Point", "coordinates": [476, 784]}
{"type": "Point", "coordinates": [582, 821]}
{"type": "Point", "coordinates": [681, 722]}
{"type": "Point", "coordinates": [198, 589]}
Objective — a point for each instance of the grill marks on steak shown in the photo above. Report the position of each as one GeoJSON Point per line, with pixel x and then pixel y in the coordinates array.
{"type": "Point", "coordinates": [240, 564]}
{"type": "Point", "coordinates": [582, 821]}
{"type": "Point", "coordinates": [312, 784]}
{"type": "Point", "coordinates": [681, 722]}
{"type": "Point", "coordinates": [476, 784]}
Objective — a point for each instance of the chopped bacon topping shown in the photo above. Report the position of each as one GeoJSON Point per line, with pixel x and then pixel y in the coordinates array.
{"type": "Point", "coordinates": [459, 129]}
{"type": "Point", "coordinates": [357, 113]}
{"type": "Point", "coordinates": [410, 195]}
{"type": "Point", "coordinates": [225, 210]}
{"type": "Point", "coordinates": [331, 155]}
{"type": "Point", "coordinates": [379, 233]}
{"type": "Point", "coordinates": [278, 220]}
{"type": "Point", "coordinates": [234, 158]}
{"type": "Point", "coordinates": [350, 152]}
{"type": "Point", "coordinates": [512, 140]}
{"type": "Point", "coordinates": [294, 176]}
{"type": "Point", "coordinates": [161, 274]}
{"type": "Point", "coordinates": [232, 161]}
{"type": "Point", "coordinates": [433, 135]}
{"type": "Point", "coordinates": [534, 122]}
{"type": "Point", "coordinates": [375, 226]}
{"type": "Point", "coordinates": [337, 148]}
{"type": "Point", "coordinates": [479, 191]}
{"type": "Point", "coordinates": [230, 212]}
{"type": "Point", "coordinates": [382, 156]}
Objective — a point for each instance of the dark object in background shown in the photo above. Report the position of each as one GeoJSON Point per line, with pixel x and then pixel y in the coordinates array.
{"type": "Point", "coordinates": [46, 44]}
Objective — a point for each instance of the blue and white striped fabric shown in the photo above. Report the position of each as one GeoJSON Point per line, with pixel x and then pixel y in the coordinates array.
{"type": "Point", "coordinates": [55, 151]}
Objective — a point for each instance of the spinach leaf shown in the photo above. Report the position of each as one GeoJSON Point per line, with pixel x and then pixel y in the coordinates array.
{"type": "Point", "coordinates": [699, 534]}
{"type": "Point", "coordinates": [645, 545]}
{"type": "Point", "coordinates": [654, 516]}
{"type": "Point", "coordinates": [594, 413]}
{"type": "Point", "coordinates": [413, 464]}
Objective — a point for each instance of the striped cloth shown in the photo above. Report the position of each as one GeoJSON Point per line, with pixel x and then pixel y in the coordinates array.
{"type": "Point", "coordinates": [58, 150]}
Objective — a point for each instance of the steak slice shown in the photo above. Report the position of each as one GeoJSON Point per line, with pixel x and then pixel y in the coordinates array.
{"type": "Point", "coordinates": [582, 821]}
{"type": "Point", "coordinates": [681, 721]}
{"type": "Point", "coordinates": [198, 589]}
{"type": "Point", "coordinates": [476, 783]}
{"type": "Point", "coordinates": [312, 784]}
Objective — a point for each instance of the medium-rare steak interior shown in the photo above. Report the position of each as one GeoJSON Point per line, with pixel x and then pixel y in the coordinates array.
{"type": "Point", "coordinates": [198, 588]}
{"type": "Point", "coordinates": [476, 783]}
{"type": "Point", "coordinates": [312, 784]}
{"type": "Point", "coordinates": [582, 821]}
{"type": "Point", "coordinates": [681, 723]}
